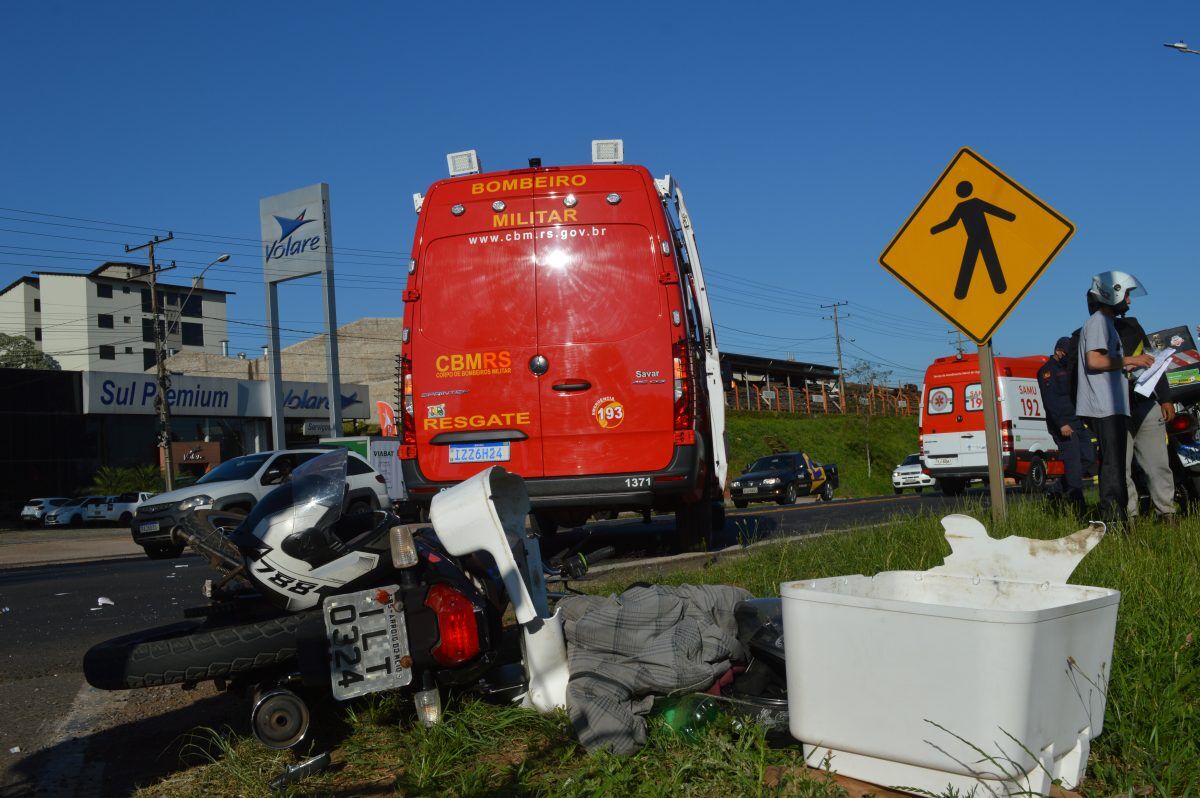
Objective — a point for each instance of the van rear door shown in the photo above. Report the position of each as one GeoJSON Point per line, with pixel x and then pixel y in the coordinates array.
{"type": "Point", "coordinates": [475, 398]}
{"type": "Point", "coordinates": [952, 423]}
{"type": "Point", "coordinates": [604, 325]}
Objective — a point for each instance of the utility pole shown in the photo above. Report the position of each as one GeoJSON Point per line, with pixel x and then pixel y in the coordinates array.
{"type": "Point", "coordinates": [837, 333]}
{"type": "Point", "coordinates": [959, 342]}
{"type": "Point", "coordinates": [164, 382]}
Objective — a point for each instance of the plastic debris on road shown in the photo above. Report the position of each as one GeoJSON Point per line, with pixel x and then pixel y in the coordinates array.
{"type": "Point", "coordinates": [16, 749]}
{"type": "Point", "coordinates": [4, 610]}
{"type": "Point", "coordinates": [105, 601]}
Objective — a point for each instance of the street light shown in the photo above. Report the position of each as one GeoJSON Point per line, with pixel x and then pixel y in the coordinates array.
{"type": "Point", "coordinates": [1182, 47]}
{"type": "Point", "coordinates": [198, 277]}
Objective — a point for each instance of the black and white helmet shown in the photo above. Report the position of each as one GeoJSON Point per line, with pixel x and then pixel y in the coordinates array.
{"type": "Point", "coordinates": [290, 539]}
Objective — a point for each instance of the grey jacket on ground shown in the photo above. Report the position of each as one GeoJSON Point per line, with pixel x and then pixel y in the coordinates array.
{"type": "Point", "coordinates": [649, 641]}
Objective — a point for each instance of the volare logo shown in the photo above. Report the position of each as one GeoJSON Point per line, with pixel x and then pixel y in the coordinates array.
{"type": "Point", "coordinates": [288, 243]}
{"type": "Point", "coordinates": [306, 400]}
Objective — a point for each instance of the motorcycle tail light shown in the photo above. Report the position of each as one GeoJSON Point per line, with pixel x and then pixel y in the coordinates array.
{"type": "Point", "coordinates": [458, 639]}
{"type": "Point", "coordinates": [1182, 423]}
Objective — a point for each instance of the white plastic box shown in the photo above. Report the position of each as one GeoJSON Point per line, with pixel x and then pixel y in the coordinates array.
{"type": "Point", "coordinates": [962, 676]}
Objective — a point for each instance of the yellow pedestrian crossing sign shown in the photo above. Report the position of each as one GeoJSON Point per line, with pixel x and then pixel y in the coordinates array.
{"type": "Point", "coordinates": [975, 245]}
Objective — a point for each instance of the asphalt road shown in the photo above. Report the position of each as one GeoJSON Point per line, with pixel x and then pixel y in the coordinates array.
{"type": "Point", "coordinates": [49, 616]}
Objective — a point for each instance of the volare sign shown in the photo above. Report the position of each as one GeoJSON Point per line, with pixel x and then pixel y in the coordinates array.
{"type": "Point", "coordinates": [134, 394]}
{"type": "Point", "coordinates": [296, 233]}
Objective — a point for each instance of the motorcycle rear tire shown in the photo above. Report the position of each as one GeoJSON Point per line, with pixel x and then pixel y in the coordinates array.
{"type": "Point", "coordinates": [187, 653]}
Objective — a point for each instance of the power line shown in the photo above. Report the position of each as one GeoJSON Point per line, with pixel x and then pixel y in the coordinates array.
{"type": "Point", "coordinates": [225, 237]}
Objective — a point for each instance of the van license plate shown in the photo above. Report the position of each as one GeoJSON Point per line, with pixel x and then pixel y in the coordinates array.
{"type": "Point", "coordinates": [367, 642]}
{"type": "Point", "coordinates": [942, 460]}
{"type": "Point", "coordinates": [480, 452]}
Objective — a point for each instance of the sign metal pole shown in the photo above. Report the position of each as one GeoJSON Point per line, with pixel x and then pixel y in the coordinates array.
{"type": "Point", "coordinates": [991, 432]}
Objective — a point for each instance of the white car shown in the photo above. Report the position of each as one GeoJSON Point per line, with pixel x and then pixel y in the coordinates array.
{"type": "Point", "coordinates": [911, 474]}
{"type": "Point", "coordinates": [74, 512]}
{"type": "Point", "coordinates": [119, 509]}
{"type": "Point", "coordinates": [238, 484]}
{"type": "Point", "coordinates": [35, 509]}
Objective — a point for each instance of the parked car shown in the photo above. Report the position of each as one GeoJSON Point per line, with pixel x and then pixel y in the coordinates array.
{"type": "Point", "coordinates": [782, 478]}
{"type": "Point", "coordinates": [238, 484]}
{"type": "Point", "coordinates": [911, 474]}
{"type": "Point", "coordinates": [35, 509]}
{"type": "Point", "coordinates": [73, 513]}
{"type": "Point", "coordinates": [116, 509]}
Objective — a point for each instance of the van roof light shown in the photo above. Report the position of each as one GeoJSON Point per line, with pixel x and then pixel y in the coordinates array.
{"type": "Point", "coordinates": [608, 150]}
{"type": "Point", "coordinates": [463, 163]}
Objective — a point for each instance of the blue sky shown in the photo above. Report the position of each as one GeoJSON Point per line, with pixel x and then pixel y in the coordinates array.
{"type": "Point", "coordinates": [803, 135]}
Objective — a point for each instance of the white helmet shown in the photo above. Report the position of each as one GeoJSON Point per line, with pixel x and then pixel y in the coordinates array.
{"type": "Point", "coordinates": [1111, 288]}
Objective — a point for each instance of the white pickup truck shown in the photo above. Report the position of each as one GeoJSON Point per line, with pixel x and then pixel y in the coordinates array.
{"type": "Point", "coordinates": [119, 509]}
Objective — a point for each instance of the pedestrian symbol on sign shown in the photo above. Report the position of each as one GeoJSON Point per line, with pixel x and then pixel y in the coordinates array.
{"type": "Point", "coordinates": [973, 214]}
{"type": "Point", "coordinates": [1014, 233]}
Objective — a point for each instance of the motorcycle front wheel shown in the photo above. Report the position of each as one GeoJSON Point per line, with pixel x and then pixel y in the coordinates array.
{"type": "Point", "coordinates": [187, 653]}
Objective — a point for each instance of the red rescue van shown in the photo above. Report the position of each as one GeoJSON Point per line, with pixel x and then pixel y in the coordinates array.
{"type": "Point", "coordinates": [953, 446]}
{"type": "Point", "coordinates": [556, 323]}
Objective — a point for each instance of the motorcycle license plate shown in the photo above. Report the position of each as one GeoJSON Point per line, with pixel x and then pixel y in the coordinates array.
{"type": "Point", "coordinates": [480, 452]}
{"type": "Point", "coordinates": [367, 641]}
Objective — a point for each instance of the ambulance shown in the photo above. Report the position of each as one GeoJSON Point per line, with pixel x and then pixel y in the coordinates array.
{"type": "Point", "coordinates": [953, 445]}
{"type": "Point", "coordinates": [556, 323]}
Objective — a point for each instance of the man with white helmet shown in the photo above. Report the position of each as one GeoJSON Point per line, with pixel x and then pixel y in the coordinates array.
{"type": "Point", "coordinates": [1102, 396]}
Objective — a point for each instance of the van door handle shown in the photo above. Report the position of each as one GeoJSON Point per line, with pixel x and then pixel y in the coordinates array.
{"type": "Point", "coordinates": [581, 385]}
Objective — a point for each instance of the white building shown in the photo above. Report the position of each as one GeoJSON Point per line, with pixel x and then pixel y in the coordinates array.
{"type": "Point", "coordinates": [101, 321]}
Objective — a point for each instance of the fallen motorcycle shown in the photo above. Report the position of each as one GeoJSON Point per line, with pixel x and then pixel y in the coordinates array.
{"type": "Point", "coordinates": [313, 599]}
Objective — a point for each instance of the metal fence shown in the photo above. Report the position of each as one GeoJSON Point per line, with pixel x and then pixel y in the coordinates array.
{"type": "Point", "coordinates": [816, 399]}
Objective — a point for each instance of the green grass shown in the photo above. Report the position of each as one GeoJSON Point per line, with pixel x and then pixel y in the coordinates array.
{"type": "Point", "coordinates": [1148, 747]}
{"type": "Point", "coordinates": [844, 440]}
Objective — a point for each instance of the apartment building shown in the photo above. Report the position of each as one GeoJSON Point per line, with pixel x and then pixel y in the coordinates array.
{"type": "Point", "coordinates": [102, 320]}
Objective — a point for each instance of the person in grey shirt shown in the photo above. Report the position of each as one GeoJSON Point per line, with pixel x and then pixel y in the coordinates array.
{"type": "Point", "coordinates": [1102, 396]}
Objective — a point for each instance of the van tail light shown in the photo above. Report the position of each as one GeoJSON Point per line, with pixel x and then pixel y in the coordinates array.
{"type": "Point", "coordinates": [458, 634]}
{"type": "Point", "coordinates": [1006, 443]}
{"type": "Point", "coordinates": [408, 425]}
{"type": "Point", "coordinates": [685, 415]}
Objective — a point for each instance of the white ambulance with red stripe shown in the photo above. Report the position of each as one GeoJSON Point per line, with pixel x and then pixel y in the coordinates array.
{"type": "Point", "coordinates": [953, 445]}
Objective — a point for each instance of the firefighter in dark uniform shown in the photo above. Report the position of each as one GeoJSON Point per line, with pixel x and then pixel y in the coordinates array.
{"type": "Point", "coordinates": [1074, 442]}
